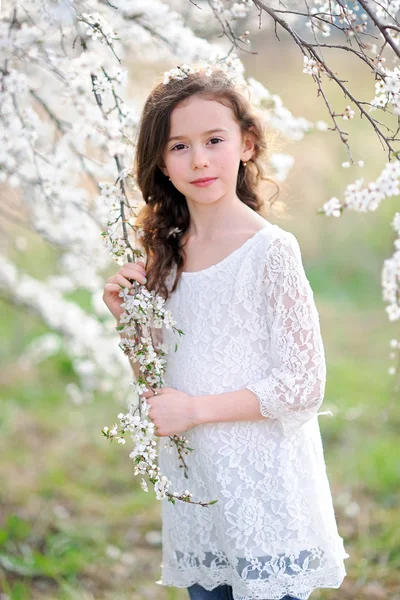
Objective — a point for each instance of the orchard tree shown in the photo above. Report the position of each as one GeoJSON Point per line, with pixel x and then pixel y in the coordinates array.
{"type": "Point", "coordinates": [70, 75]}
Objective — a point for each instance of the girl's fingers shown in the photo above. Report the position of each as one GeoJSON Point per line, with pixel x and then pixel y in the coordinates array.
{"type": "Point", "coordinates": [112, 287]}
{"type": "Point", "coordinates": [138, 266]}
{"type": "Point", "coordinates": [127, 272]}
{"type": "Point", "coordinates": [120, 279]}
{"type": "Point", "coordinates": [133, 273]}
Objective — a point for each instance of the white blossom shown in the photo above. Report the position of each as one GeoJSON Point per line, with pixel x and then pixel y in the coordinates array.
{"type": "Point", "coordinates": [348, 113]}
{"type": "Point", "coordinates": [311, 67]}
{"type": "Point", "coordinates": [332, 207]}
{"type": "Point", "coordinates": [281, 163]}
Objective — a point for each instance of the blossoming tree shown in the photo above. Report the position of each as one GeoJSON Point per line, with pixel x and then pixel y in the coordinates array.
{"type": "Point", "coordinates": [70, 107]}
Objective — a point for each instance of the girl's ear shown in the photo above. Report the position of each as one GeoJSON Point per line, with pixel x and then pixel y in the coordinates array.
{"type": "Point", "coordinates": [248, 146]}
{"type": "Point", "coordinates": [163, 169]}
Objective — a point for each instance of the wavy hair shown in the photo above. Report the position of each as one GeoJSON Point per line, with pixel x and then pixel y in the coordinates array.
{"type": "Point", "coordinates": [165, 207]}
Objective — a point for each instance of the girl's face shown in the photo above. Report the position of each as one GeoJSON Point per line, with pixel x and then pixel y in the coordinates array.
{"type": "Point", "coordinates": [205, 141]}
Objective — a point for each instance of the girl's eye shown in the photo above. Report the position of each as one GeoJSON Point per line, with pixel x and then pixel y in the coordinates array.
{"type": "Point", "coordinates": [176, 147]}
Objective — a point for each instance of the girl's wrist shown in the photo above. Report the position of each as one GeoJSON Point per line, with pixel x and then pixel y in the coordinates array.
{"type": "Point", "coordinates": [197, 414]}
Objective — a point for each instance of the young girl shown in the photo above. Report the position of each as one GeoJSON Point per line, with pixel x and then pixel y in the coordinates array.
{"type": "Point", "coordinates": [248, 376]}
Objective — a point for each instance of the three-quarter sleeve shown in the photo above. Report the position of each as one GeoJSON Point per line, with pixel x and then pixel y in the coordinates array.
{"type": "Point", "coordinates": [294, 388]}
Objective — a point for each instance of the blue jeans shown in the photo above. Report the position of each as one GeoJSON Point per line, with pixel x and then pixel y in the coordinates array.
{"type": "Point", "coordinates": [222, 592]}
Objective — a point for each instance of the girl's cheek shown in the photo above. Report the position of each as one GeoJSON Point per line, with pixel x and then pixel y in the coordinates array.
{"type": "Point", "coordinates": [179, 167]}
{"type": "Point", "coordinates": [175, 162]}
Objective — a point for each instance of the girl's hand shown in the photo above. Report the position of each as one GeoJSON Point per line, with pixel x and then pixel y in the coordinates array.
{"type": "Point", "coordinates": [128, 271]}
{"type": "Point", "coordinates": [171, 411]}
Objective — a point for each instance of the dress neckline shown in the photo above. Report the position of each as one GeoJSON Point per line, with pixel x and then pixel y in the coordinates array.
{"type": "Point", "coordinates": [224, 260]}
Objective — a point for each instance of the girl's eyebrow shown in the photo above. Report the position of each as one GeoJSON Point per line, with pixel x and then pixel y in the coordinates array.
{"type": "Point", "coordinates": [180, 137]}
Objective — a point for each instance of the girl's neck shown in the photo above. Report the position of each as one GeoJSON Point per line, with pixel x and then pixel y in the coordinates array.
{"type": "Point", "coordinates": [237, 220]}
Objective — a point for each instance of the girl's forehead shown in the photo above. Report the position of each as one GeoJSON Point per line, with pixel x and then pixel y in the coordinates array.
{"type": "Point", "coordinates": [194, 103]}
{"type": "Point", "coordinates": [200, 114]}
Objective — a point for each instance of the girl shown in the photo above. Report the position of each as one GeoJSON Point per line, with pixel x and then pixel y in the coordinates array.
{"type": "Point", "coordinates": [248, 376]}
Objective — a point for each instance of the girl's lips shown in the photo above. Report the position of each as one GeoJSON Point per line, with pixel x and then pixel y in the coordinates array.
{"type": "Point", "coordinates": [204, 183]}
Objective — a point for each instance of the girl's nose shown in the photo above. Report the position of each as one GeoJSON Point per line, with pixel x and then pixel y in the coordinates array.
{"type": "Point", "coordinates": [199, 160]}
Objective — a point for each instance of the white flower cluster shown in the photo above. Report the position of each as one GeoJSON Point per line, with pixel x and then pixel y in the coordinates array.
{"type": "Point", "coordinates": [281, 163]}
{"type": "Point", "coordinates": [115, 244]}
{"type": "Point", "coordinates": [230, 65]}
{"type": "Point", "coordinates": [14, 81]}
{"type": "Point", "coordinates": [387, 9]}
{"type": "Point", "coordinates": [345, 16]}
{"type": "Point", "coordinates": [318, 26]}
{"type": "Point", "coordinates": [347, 164]}
{"type": "Point", "coordinates": [367, 199]}
{"type": "Point", "coordinates": [144, 452]}
{"type": "Point", "coordinates": [97, 359]}
{"type": "Point", "coordinates": [98, 28]}
{"type": "Point", "coordinates": [102, 85]}
{"type": "Point", "coordinates": [181, 72]}
{"type": "Point", "coordinates": [332, 208]}
{"type": "Point", "coordinates": [174, 231]}
{"type": "Point", "coordinates": [111, 196]}
{"type": "Point", "coordinates": [321, 125]}
{"type": "Point", "coordinates": [238, 10]}
{"type": "Point", "coordinates": [387, 90]}
{"type": "Point", "coordinates": [311, 66]}
{"type": "Point", "coordinates": [107, 205]}
{"type": "Point", "coordinates": [394, 345]}
{"type": "Point", "coordinates": [391, 276]}
{"type": "Point", "coordinates": [348, 113]}
{"type": "Point", "coordinates": [143, 308]}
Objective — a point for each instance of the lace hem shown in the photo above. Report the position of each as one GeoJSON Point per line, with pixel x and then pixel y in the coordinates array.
{"type": "Point", "coordinates": [302, 586]}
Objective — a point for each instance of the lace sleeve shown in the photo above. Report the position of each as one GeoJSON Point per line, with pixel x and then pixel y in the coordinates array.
{"type": "Point", "coordinates": [294, 389]}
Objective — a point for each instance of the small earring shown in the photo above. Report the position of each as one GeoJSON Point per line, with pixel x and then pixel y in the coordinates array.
{"type": "Point", "coordinates": [244, 164]}
{"type": "Point", "coordinates": [169, 178]}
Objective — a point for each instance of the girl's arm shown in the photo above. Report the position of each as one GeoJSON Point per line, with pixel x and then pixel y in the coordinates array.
{"type": "Point", "coordinates": [294, 388]}
{"type": "Point", "coordinates": [240, 405]}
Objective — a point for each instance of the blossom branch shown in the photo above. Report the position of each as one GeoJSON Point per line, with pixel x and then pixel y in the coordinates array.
{"type": "Point", "coordinates": [380, 26]}
{"type": "Point", "coordinates": [304, 45]}
{"type": "Point", "coordinates": [142, 431]}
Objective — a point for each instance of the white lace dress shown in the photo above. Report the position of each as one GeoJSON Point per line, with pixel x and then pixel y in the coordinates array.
{"type": "Point", "coordinates": [250, 321]}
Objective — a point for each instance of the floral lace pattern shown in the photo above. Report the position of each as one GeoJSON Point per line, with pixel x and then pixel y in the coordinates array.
{"type": "Point", "coordinates": [250, 321]}
{"type": "Point", "coordinates": [294, 389]}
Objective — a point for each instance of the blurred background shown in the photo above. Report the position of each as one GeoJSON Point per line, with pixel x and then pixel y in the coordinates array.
{"type": "Point", "coordinates": [75, 523]}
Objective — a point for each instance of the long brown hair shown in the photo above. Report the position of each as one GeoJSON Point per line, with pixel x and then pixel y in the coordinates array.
{"type": "Point", "coordinates": [165, 207]}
